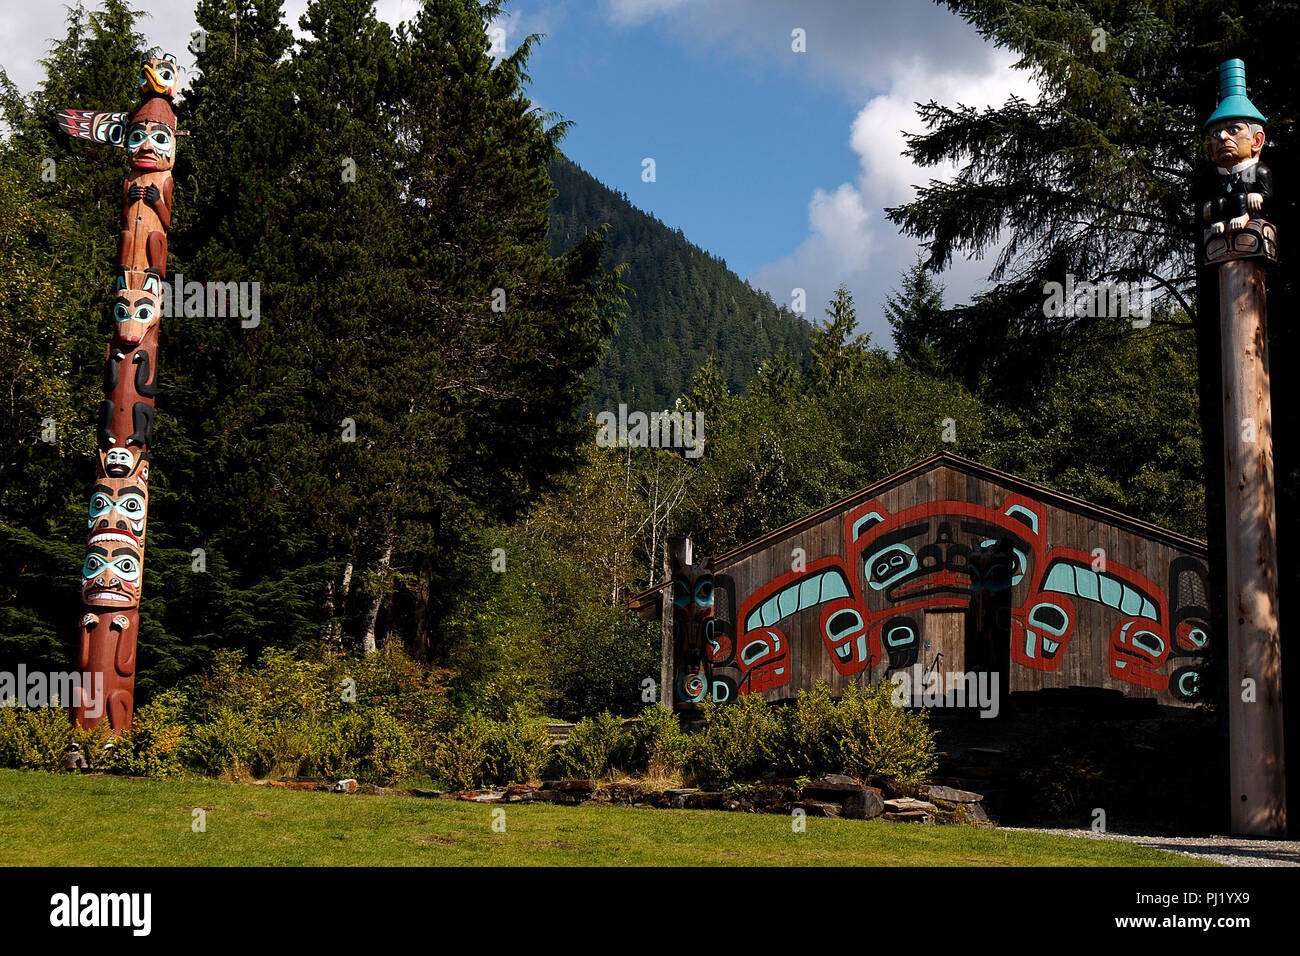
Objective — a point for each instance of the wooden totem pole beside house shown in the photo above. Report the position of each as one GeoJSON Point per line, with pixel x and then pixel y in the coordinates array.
{"type": "Point", "coordinates": [1238, 241]}
{"type": "Point", "coordinates": [119, 499]}
{"type": "Point", "coordinates": [688, 633]}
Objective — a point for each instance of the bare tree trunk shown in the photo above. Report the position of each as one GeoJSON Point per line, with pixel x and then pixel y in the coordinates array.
{"type": "Point", "coordinates": [372, 615]}
{"type": "Point", "coordinates": [334, 630]}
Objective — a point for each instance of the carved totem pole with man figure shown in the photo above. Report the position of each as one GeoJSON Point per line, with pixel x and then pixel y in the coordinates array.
{"type": "Point", "coordinates": [112, 574]}
{"type": "Point", "coordinates": [1239, 241]}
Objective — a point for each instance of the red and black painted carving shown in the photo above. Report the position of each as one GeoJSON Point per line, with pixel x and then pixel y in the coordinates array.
{"type": "Point", "coordinates": [1020, 597]}
{"type": "Point", "coordinates": [113, 572]}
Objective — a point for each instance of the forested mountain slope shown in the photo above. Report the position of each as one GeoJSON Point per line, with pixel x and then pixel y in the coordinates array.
{"type": "Point", "coordinates": [684, 304]}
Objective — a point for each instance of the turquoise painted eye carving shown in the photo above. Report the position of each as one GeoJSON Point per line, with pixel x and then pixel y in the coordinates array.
{"type": "Point", "coordinates": [100, 505]}
{"type": "Point", "coordinates": [136, 139]}
{"type": "Point", "coordinates": [121, 313]}
{"type": "Point", "coordinates": [128, 569]}
{"type": "Point", "coordinates": [704, 594]}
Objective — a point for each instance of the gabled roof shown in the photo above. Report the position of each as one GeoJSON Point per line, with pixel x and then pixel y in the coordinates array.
{"type": "Point", "coordinates": [647, 603]}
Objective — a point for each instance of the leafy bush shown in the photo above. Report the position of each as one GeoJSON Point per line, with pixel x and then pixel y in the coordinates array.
{"type": "Point", "coordinates": [593, 747]}
{"type": "Point", "coordinates": [654, 743]}
{"type": "Point", "coordinates": [229, 743]}
{"type": "Point", "coordinates": [152, 747]}
{"type": "Point", "coordinates": [737, 741]}
{"type": "Point", "coordinates": [35, 738]}
{"type": "Point", "coordinates": [460, 754]}
{"type": "Point", "coordinates": [375, 718]}
{"type": "Point", "coordinates": [808, 734]}
{"type": "Point", "coordinates": [875, 737]}
{"type": "Point", "coordinates": [518, 748]}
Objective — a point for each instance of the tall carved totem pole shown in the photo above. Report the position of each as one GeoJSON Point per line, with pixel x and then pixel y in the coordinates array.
{"type": "Point", "coordinates": [1238, 243]}
{"type": "Point", "coordinates": [119, 498]}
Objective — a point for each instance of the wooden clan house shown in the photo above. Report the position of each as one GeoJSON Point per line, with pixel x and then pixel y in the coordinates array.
{"type": "Point", "coordinates": [947, 567]}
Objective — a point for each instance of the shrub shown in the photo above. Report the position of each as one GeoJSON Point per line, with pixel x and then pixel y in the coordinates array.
{"type": "Point", "coordinates": [375, 718]}
{"type": "Point", "coordinates": [460, 754]}
{"type": "Point", "coordinates": [737, 741]}
{"type": "Point", "coordinates": [228, 743]}
{"type": "Point", "coordinates": [878, 738]}
{"type": "Point", "coordinates": [654, 743]}
{"type": "Point", "coordinates": [808, 734]}
{"type": "Point", "coordinates": [593, 746]}
{"type": "Point", "coordinates": [518, 748]}
{"type": "Point", "coordinates": [35, 738]}
{"type": "Point", "coordinates": [384, 747]}
{"type": "Point", "coordinates": [152, 747]}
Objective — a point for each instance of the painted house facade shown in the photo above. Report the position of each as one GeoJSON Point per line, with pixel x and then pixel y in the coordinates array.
{"type": "Point", "coordinates": [949, 566]}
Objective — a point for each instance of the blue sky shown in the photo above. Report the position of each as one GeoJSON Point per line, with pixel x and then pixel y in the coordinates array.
{"type": "Point", "coordinates": [735, 146]}
{"type": "Point", "coordinates": [779, 162]}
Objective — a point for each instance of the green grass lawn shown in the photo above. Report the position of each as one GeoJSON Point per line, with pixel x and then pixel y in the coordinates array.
{"type": "Point", "coordinates": [67, 820]}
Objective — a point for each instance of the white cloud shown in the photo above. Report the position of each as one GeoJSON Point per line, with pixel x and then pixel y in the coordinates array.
{"type": "Point", "coordinates": [888, 55]}
{"type": "Point", "coordinates": [856, 43]}
{"type": "Point", "coordinates": [849, 239]}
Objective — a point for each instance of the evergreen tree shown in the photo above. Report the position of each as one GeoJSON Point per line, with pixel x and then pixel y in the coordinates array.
{"type": "Point", "coordinates": [915, 312]}
{"type": "Point", "coordinates": [838, 353]}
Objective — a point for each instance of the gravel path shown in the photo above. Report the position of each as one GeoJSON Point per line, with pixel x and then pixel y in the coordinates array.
{"type": "Point", "coordinates": [1231, 851]}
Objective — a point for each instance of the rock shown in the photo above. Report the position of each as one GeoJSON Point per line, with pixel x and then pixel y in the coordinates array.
{"type": "Point", "coordinates": [857, 802]}
{"type": "Point", "coordinates": [909, 816]}
{"type": "Point", "coordinates": [973, 813]}
{"type": "Point", "coordinates": [520, 793]}
{"type": "Point", "coordinates": [766, 798]}
{"type": "Point", "coordinates": [833, 791]}
{"type": "Point", "coordinates": [418, 792]}
{"type": "Point", "coordinates": [345, 786]}
{"type": "Point", "coordinates": [74, 759]}
{"type": "Point", "coordinates": [704, 800]}
{"type": "Point", "coordinates": [952, 794]}
{"type": "Point", "coordinates": [839, 779]}
{"type": "Point", "coordinates": [907, 805]}
{"type": "Point", "coordinates": [867, 804]}
{"type": "Point", "coordinates": [574, 791]}
{"type": "Point", "coordinates": [625, 793]}
{"type": "Point", "coordinates": [819, 808]}
{"type": "Point", "coordinates": [548, 796]}
{"type": "Point", "coordinates": [677, 797]}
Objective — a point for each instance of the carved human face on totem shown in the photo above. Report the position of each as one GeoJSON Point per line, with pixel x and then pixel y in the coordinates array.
{"type": "Point", "coordinates": [120, 462]}
{"type": "Point", "coordinates": [1233, 141]}
{"type": "Point", "coordinates": [137, 307]}
{"type": "Point", "coordinates": [117, 511]}
{"type": "Point", "coordinates": [151, 145]}
{"type": "Point", "coordinates": [110, 576]}
{"type": "Point", "coordinates": [158, 75]}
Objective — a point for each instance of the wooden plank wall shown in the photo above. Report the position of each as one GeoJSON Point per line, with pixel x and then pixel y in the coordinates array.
{"type": "Point", "coordinates": [1087, 656]}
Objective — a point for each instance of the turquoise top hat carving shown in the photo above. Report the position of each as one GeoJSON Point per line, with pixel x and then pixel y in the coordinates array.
{"type": "Point", "coordinates": [1233, 103]}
